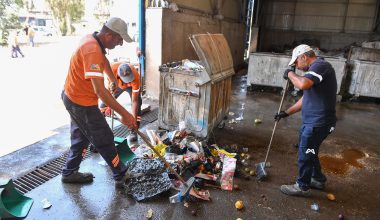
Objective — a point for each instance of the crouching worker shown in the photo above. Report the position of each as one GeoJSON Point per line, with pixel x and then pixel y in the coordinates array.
{"type": "Point", "coordinates": [128, 79]}
{"type": "Point", "coordinates": [83, 87]}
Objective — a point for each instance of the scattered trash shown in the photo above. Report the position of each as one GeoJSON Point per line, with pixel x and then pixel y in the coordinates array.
{"type": "Point", "coordinates": [239, 219]}
{"type": "Point", "coordinates": [340, 217]}
{"type": "Point", "coordinates": [252, 173]}
{"type": "Point", "coordinates": [193, 212]}
{"type": "Point", "coordinates": [267, 164]}
{"type": "Point", "coordinates": [200, 194]}
{"type": "Point", "coordinates": [239, 205]}
{"type": "Point", "coordinates": [240, 118]}
{"type": "Point", "coordinates": [149, 214]}
{"type": "Point", "coordinates": [232, 121]}
{"type": "Point", "coordinates": [186, 204]}
{"type": "Point", "coordinates": [330, 196]}
{"type": "Point", "coordinates": [229, 165]}
{"type": "Point", "coordinates": [46, 204]}
{"type": "Point", "coordinates": [236, 187]}
{"type": "Point", "coordinates": [231, 113]}
{"type": "Point", "coordinates": [103, 163]}
{"type": "Point", "coordinates": [258, 121]}
{"type": "Point", "coordinates": [314, 207]}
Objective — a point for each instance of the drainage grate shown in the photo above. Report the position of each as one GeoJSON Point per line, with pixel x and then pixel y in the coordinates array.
{"type": "Point", "coordinates": [42, 174]}
{"type": "Point", "coordinates": [121, 131]}
{"type": "Point", "coordinates": [150, 116]}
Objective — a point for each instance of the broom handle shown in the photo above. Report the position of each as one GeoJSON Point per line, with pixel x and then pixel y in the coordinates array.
{"type": "Point", "coordinates": [275, 124]}
{"type": "Point", "coordinates": [111, 119]}
{"type": "Point", "coordinates": [146, 140]}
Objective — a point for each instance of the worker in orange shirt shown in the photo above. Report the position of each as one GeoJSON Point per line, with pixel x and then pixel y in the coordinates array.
{"type": "Point", "coordinates": [83, 88]}
{"type": "Point", "coordinates": [128, 79]}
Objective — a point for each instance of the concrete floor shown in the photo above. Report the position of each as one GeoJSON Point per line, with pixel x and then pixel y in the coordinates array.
{"type": "Point", "coordinates": [356, 191]}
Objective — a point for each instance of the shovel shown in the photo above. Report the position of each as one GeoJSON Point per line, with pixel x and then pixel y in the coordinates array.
{"type": "Point", "coordinates": [260, 167]}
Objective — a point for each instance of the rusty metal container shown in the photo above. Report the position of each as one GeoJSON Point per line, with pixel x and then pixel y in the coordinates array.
{"type": "Point", "coordinates": [266, 69]}
{"type": "Point", "coordinates": [365, 79]}
{"type": "Point", "coordinates": [200, 97]}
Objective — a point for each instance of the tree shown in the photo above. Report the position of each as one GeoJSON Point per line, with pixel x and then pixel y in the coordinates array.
{"type": "Point", "coordinates": [102, 10]}
{"type": "Point", "coordinates": [8, 18]}
{"type": "Point", "coordinates": [67, 12]}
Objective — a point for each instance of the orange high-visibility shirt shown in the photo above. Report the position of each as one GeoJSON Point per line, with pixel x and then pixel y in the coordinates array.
{"type": "Point", "coordinates": [135, 84]}
{"type": "Point", "coordinates": [87, 62]}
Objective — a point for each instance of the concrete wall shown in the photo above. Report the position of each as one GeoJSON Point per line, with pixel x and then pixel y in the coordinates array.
{"type": "Point", "coordinates": [167, 40]}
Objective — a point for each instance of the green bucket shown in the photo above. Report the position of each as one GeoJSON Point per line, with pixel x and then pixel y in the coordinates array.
{"type": "Point", "coordinates": [125, 153]}
{"type": "Point", "coordinates": [12, 203]}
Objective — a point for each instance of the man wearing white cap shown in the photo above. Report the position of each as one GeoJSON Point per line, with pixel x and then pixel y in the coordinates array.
{"type": "Point", "coordinates": [83, 87]}
{"type": "Point", "coordinates": [318, 116]}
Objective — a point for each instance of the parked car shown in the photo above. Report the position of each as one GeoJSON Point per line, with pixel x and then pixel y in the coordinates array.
{"type": "Point", "coordinates": [44, 31]}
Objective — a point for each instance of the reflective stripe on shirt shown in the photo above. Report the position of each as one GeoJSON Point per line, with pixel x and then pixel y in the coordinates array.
{"type": "Point", "coordinates": [315, 74]}
{"type": "Point", "coordinates": [87, 74]}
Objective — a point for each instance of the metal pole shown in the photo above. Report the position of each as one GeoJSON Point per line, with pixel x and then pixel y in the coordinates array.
{"type": "Point", "coordinates": [142, 41]}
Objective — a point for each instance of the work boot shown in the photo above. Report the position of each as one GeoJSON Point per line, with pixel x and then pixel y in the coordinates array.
{"type": "Point", "coordinates": [294, 190]}
{"type": "Point", "coordinates": [132, 137]}
{"type": "Point", "coordinates": [316, 184]}
{"type": "Point", "coordinates": [122, 182]}
{"type": "Point", "coordinates": [78, 177]}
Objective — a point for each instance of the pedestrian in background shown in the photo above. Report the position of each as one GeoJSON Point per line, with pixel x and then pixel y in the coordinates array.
{"type": "Point", "coordinates": [14, 42]}
{"type": "Point", "coordinates": [31, 34]}
{"type": "Point", "coordinates": [83, 87]}
{"type": "Point", "coordinates": [319, 87]}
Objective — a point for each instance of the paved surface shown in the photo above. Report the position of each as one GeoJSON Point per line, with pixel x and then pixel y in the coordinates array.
{"type": "Point", "coordinates": [356, 192]}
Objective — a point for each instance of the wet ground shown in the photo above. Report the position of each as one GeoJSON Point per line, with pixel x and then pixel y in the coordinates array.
{"type": "Point", "coordinates": [350, 158]}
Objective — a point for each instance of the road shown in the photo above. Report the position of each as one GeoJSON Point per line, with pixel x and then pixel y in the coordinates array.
{"type": "Point", "coordinates": [30, 90]}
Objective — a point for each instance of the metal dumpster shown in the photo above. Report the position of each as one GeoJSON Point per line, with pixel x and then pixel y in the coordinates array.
{"type": "Point", "coordinates": [266, 69]}
{"type": "Point", "coordinates": [365, 79]}
{"type": "Point", "coordinates": [199, 96]}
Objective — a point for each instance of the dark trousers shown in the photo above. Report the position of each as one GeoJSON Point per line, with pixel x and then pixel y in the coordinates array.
{"type": "Point", "coordinates": [15, 50]}
{"type": "Point", "coordinates": [119, 91]}
{"type": "Point", "coordinates": [308, 161]}
{"type": "Point", "coordinates": [88, 125]}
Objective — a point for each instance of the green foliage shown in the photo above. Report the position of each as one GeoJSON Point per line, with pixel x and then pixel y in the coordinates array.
{"type": "Point", "coordinates": [8, 20]}
{"type": "Point", "coordinates": [67, 12]}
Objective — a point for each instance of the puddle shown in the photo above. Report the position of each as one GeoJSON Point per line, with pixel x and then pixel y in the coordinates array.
{"type": "Point", "coordinates": [340, 165]}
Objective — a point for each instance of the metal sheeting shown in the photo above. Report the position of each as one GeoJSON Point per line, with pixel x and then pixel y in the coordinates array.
{"type": "Point", "coordinates": [316, 15]}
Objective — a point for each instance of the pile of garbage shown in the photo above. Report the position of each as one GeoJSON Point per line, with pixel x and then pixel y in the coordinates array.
{"type": "Point", "coordinates": [200, 164]}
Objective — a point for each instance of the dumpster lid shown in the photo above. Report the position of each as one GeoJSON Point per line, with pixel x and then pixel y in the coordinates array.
{"type": "Point", "coordinates": [214, 52]}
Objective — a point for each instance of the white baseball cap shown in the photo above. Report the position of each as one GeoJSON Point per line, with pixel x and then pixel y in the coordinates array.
{"type": "Point", "coordinates": [119, 26]}
{"type": "Point", "coordinates": [299, 50]}
{"type": "Point", "coordinates": [125, 73]}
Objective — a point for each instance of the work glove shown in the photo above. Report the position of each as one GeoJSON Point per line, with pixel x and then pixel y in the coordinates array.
{"type": "Point", "coordinates": [281, 114]}
{"type": "Point", "coordinates": [285, 76]}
